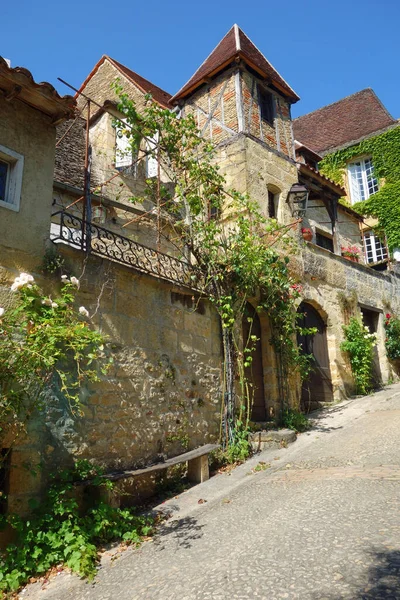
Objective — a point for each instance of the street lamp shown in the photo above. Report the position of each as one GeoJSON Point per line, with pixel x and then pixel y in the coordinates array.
{"type": "Point", "coordinates": [298, 199]}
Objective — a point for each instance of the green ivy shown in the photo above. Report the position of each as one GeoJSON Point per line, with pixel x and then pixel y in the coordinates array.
{"type": "Point", "coordinates": [384, 150]}
{"type": "Point", "coordinates": [58, 532]}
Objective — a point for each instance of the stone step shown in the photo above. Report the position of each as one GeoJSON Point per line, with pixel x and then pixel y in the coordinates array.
{"type": "Point", "coordinates": [275, 438]}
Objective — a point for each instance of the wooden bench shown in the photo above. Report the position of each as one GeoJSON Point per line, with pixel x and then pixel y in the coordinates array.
{"type": "Point", "coordinates": [198, 470]}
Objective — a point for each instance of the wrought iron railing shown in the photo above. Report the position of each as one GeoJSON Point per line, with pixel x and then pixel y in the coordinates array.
{"type": "Point", "coordinates": [91, 238]}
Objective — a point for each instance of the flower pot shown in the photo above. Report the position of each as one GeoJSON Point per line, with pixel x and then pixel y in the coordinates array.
{"type": "Point", "coordinates": [352, 258]}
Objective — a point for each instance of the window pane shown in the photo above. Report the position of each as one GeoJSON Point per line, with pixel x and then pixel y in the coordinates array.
{"type": "Point", "coordinates": [3, 180]}
{"type": "Point", "coordinates": [324, 241]}
{"type": "Point", "coordinates": [265, 100]}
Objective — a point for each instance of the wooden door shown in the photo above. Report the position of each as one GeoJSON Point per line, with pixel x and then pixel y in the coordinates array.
{"type": "Point", "coordinates": [317, 388]}
{"type": "Point", "coordinates": [255, 374]}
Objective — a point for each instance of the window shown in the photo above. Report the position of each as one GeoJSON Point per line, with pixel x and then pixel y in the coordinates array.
{"type": "Point", "coordinates": [324, 241]}
{"type": "Point", "coordinates": [266, 102]}
{"type": "Point", "coordinates": [362, 181]}
{"type": "Point", "coordinates": [11, 167]}
{"type": "Point", "coordinates": [272, 212]}
{"type": "Point", "coordinates": [375, 249]}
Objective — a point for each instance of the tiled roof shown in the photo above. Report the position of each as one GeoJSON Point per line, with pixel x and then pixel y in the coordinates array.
{"type": "Point", "coordinates": [159, 95]}
{"type": "Point", "coordinates": [236, 44]}
{"type": "Point", "coordinates": [18, 82]}
{"type": "Point", "coordinates": [342, 123]}
{"type": "Point", "coordinates": [308, 170]}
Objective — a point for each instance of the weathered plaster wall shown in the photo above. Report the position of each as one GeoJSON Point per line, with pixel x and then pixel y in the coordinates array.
{"type": "Point", "coordinates": [347, 228]}
{"type": "Point", "coordinates": [31, 134]}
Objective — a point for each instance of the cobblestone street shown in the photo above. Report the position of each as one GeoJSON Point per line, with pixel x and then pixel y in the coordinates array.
{"type": "Point", "coordinates": [322, 521]}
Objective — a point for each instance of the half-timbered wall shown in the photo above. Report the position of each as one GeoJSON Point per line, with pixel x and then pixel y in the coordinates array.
{"type": "Point", "coordinates": [214, 108]}
{"type": "Point", "coordinates": [230, 105]}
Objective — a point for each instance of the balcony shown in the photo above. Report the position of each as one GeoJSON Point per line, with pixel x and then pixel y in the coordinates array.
{"type": "Point", "coordinates": [90, 238]}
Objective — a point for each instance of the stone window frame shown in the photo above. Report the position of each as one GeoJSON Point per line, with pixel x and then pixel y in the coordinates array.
{"type": "Point", "coordinates": [13, 184]}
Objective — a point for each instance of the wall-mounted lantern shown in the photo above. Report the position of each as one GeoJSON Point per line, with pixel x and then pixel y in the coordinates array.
{"type": "Point", "coordinates": [298, 199]}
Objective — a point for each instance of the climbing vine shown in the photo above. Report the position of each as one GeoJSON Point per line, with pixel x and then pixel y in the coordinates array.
{"type": "Point", "coordinates": [44, 342]}
{"type": "Point", "coordinates": [231, 245]}
{"type": "Point", "coordinates": [392, 340]}
{"type": "Point", "coordinates": [359, 344]}
{"type": "Point", "coordinates": [384, 150]}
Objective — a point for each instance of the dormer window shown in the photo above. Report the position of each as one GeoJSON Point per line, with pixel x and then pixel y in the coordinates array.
{"type": "Point", "coordinates": [266, 103]}
{"type": "Point", "coordinates": [362, 181]}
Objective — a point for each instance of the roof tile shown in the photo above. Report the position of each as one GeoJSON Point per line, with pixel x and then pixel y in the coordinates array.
{"type": "Point", "coordinates": [235, 44]}
{"type": "Point", "coordinates": [338, 124]}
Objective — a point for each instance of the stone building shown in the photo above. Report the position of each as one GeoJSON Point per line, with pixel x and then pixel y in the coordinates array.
{"type": "Point", "coordinates": [243, 105]}
{"type": "Point", "coordinates": [29, 113]}
{"type": "Point", "coordinates": [163, 393]}
{"type": "Point", "coordinates": [343, 125]}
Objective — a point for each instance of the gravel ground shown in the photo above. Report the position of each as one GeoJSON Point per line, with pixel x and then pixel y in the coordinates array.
{"type": "Point", "coordinates": [321, 522]}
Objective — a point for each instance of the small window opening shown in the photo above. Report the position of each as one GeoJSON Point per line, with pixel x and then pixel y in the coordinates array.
{"type": "Point", "coordinates": [266, 102]}
{"type": "Point", "coordinates": [271, 205]}
{"type": "Point", "coordinates": [324, 241]}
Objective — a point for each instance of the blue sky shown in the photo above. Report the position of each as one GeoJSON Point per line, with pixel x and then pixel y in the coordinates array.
{"type": "Point", "coordinates": [324, 49]}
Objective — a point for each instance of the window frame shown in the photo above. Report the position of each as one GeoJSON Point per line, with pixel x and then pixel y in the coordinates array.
{"type": "Point", "coordinates": [375, 239]}
{"type": "Point", "coordinates": [15, 162]}
{"type": "Point", "coordinates": [263, 92]}
{"type": "Point", "coordinates": [320, 235]}
{"type": "Point", "coordinates": [355, 195]}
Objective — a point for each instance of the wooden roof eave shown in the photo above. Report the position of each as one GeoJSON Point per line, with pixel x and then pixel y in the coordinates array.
{"type": "Point", "coordinates": [237, 55]}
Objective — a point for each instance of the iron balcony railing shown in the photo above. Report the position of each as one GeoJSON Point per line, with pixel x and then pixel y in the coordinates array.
{"type": "Point", "coordinates": [88, 237]}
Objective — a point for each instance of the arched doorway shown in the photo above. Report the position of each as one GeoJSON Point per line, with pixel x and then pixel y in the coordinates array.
{"type": "Point", "coordinates": [254, 373]}
{"type": "Point", "coordinates": [317, 388]}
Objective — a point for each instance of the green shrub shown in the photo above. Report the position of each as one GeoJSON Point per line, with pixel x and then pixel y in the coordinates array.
{"type": "Point", "coordinates": [392, 340]}
{"type": "Point", "coordinates": [58, 531]}
{"type": "Point", "coordinates": [295, 420]}
{"type": "Point", "coordinates": [359, 344]}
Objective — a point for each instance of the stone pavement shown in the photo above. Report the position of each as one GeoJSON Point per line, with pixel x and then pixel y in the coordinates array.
{"type": "Point", "coordinates": [321, 522]}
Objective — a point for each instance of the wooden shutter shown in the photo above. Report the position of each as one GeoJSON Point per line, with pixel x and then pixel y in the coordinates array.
{"type": "Point", "coordinates": [152, 163]}
{"type": "Point", "coordinates": [354, 184]}
{"type": "Point", "coordinates": [123, 150]}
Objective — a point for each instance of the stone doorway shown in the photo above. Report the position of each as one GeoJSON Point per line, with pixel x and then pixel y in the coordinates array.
{"type": "Point", "coordinates": [317, 389]}
{"type": "Point", "coordinates": [255, 373]}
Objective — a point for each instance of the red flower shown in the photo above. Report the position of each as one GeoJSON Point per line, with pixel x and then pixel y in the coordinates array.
{"type": "Point", "coordinates": [387, 315]}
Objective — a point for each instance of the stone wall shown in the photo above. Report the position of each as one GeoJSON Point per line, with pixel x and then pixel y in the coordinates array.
{"type": "Point", "coordinates": [162, 394]}
{"type": "Point", "coordinates": [329, 281]}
